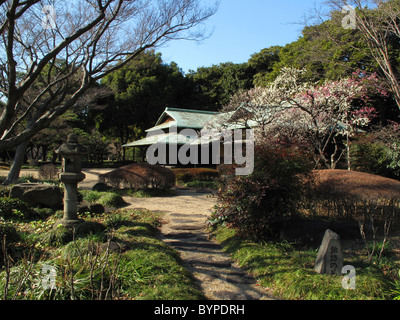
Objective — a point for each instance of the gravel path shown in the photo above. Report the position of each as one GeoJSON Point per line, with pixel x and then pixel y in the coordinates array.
{"type": "Point", "coordinates": [185, 229]}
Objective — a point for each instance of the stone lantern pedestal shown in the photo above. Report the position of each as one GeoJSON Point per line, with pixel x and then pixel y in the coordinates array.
{"type": "Point", "coordinates": [71, 153]}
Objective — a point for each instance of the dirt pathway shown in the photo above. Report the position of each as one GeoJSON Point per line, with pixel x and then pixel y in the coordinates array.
{"type": "Point", "coordinates": [185, 230]}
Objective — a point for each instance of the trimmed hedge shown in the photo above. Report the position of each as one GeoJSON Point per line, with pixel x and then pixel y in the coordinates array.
{"type": "Point", "coordinates": [139, 176]}
{"type": "Point", "coordinates": [184, 175]}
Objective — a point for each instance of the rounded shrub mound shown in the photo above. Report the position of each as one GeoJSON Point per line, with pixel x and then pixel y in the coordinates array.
{"type": "Point", "coordinates": [353, 195]}
{"type": "Point", "coordinates": [358, 185]}
{"type": "Point", "coordinates": [139, 176]}
{"type": "Point", "coordinates": [111, 199]}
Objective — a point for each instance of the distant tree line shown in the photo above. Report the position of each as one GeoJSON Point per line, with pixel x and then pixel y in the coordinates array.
{"type": "Point", "coordinates": [133, 96]}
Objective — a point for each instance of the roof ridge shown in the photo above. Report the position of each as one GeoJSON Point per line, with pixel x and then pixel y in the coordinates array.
{"type": "Point", "coordinates": [192, 111]}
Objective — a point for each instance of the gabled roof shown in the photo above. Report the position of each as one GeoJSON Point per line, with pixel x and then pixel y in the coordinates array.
{"type": "Point", "coordinates": [183, 118]}
{"type": "Point", "coordinates": [231, 120]}
{"type": "Point", "coordinates": [167, 138]}
{"type": "Point", "coordinates": [177, 119]}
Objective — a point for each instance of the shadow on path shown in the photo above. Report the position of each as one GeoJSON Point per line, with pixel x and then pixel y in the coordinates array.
{"type": "Point", "coordinates": [185, 230]}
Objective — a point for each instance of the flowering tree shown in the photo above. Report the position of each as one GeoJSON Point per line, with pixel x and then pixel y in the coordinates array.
{"type": "Point", "coordinates": [314, 115]}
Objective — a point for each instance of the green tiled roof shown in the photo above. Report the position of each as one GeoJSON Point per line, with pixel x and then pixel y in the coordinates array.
{"type": "Point", "coordinates": [184, 118]}
{"type": "Point", "coordinates": [168, 138]}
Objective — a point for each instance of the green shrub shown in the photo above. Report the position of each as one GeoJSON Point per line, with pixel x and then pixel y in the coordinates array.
{"type": "Point", "coordinates": [44, 212]}
{"type": "Point", "coordinates": [4, 191]}
{"type": "Point", "coordinates": [396, 289]}
{"type": "Point", "coordinates": [185, 175]}
{"type": "Point", "coordinates": [91, 278]}
{"type": "Point", "coordinates": [259, 204]}
{"type": "Point", "coordinates": [90, 196]}
{"type": "Point", "coordinates": [111, 199]}
{"type": "Point", "coordinates": [107, 199]}
{"type": "Point", "coordinates": [16, 209]}
{"type": "Point", "coordinates": [371, 157]}
{"type": "Point", "coordinates": [89, 228]}
{"type": "Point", "coordinates": [378, 152]}
{"type": "Point", "coordinates": [8, 230]}
{"type": "Point", "coordinates": [141, 194]}
{"type": "Point", "coordinates": [149, 193]}
{"type": "Point", "coordinates": [85, 271]}
{"type": "Point", "coordinates": [8, 235]}
{"type": "Point", "coordinates": [116, 220]}
{"type": "Point", "coordinates": [80, 247]}
{"type": "Point", "coordinates": [201, 184]}
{"type": "Point", "coordinates": [58, 236]}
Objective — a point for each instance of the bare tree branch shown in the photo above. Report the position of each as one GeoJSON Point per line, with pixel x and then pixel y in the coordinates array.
{"type": "Point", "coordinates": [45, 70]}
{"type": "Point", "coordinates": [378, 23]}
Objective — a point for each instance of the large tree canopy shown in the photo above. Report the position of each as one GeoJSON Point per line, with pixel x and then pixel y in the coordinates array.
{"type": "Point", "coordinates": [377, 27]}
{"type": "Point", "coordinates": [141, 91]}
{"type": "Point", "coordinates": [215, 85]}
{"type": "Point", "coordinates": [91, 38]}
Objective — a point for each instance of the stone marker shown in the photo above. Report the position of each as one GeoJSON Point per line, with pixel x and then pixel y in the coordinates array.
{"type": "Point", "coordinates": [330, 256]}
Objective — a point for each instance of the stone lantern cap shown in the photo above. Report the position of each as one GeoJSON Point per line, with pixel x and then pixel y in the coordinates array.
{"type": "Point", "coordinates": [72, 153]}
{"type": "Point", "coordinates": [72, 147]}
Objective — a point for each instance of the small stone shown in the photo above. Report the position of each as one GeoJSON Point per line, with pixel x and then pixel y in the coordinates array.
{"type": "Point", "coordinates": [101, 187]}
{"type": "Point", "coordinates": [96, 208]}
{"type": "Point", "coordinates": [112, 247]}
{"type": "Point", "coordinates": [187, 227]}
{"type": "Point", "coordinates": [239, 279]}
{"type": "Point", "coordinates": [180, 235]}
{"type": "Point", "coordinates": [214, 264]}
{"type": "Point", "coordinates": [183, 221]}
{"type": "Point", "coordinates": [83, 208]}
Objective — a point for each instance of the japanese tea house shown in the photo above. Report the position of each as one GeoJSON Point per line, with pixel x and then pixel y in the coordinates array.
{"type": "Point", "coordinates": [171, 129]}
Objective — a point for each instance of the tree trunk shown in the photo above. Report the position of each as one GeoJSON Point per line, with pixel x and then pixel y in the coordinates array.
{"type": "Point", "coordinates": [15, 170]}
{"type": "Point", "coordinates": [348, 151]}
{"type": "Point", "coordinates": [44, 153]}
{"type": "Point", "coordinates": [54, 157]}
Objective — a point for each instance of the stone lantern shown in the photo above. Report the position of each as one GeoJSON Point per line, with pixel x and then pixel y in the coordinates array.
{"type": "Point", "coordinates": [71, 153]}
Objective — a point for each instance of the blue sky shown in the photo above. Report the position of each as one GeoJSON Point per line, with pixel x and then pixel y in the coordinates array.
{"type": "Point", "coordinates": [240, 29]}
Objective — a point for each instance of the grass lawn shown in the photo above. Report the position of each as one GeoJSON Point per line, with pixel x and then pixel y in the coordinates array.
{"type": "Point", "coordinates": [85, 263]}
{"type": "Point", "coordinates": [288, 271]}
